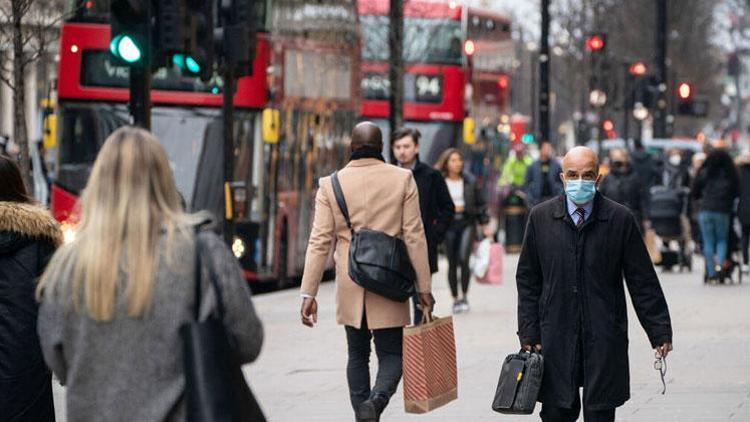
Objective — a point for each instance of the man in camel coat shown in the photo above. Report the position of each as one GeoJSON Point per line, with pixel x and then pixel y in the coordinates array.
{"type": "Point", "coordinates": [379, 197]}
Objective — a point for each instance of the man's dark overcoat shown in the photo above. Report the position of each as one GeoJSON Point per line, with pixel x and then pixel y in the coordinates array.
{"type": "Point", "coordinates": [570, 277]}
{"type": "Point", "coordinates": [436, 206]}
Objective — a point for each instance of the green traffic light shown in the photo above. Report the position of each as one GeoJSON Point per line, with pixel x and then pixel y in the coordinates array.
{"type": "Point", "coordinates": [192, 65]}
{"type": "Point", "coordinates": [187, 63]}
{"type": "Point", "coordinates": [527, 138]}
{"type": "Point", "coordinates": [179, 60]}
{"type": "Point", "coordinates": [124, 47]}
{"type": "Point", "coordinates": [113, 44]}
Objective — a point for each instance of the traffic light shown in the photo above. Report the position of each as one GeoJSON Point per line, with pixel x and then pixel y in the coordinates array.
{"type": "Point", "coordinates": [130, 41]}
{"type": "Point", "coordinates": [236, 34]}
{"type": "Point", "coordinates": [684, 98]}
{"type": "Point", "coordinates": [596, 43]}
{"type": "Point", "coordinates": [469, 47]}
{"type": "Point", "coordinates": [684, 91]}
{"type": "Point", "coordinates": [197, 56]}
{"type": "Point", "coordinates": [638, 69]}
{"type": "Point", "coordinates": [171, 34]}
{"type": "Point", "coordinates": [527, 138]}
{"type": "Point", "coordinates": [607, 125]}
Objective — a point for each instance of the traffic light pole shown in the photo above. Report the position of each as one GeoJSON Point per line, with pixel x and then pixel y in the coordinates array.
{"type": "Point", "coordinates": [228, 132]}
{"type": "Point", "coordinates": [544, 75]}
{"type": "Point", "coordinates": [396, 66]}
{"type": "Point", "coordinates": [140, 95]}
{"type": "Point", "coordinates": [627, 102]}
{"type": "Point", "coordinates": [660, 114]}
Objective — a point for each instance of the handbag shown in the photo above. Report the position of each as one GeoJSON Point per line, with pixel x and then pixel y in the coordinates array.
{"type": "Point", "coordinates": [215, 388]}
{"type": "Point", "coordinates": [494, 272]}
{"type": "Point", "coordinates": [429, 365]}
{"type": "Point", "coordinates": [377, 261]}
{"type": "Point", "coordinates": [519, 384]}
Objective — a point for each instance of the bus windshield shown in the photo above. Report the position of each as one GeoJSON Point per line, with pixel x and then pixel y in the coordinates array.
{"type": "Point", "coordinates": [425, 40]}
{"type": "Point", "coordinates": [182, 132]}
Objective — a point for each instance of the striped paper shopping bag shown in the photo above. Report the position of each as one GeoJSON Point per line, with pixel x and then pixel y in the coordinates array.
{"type": "Point", "coordinates": [430, 374]}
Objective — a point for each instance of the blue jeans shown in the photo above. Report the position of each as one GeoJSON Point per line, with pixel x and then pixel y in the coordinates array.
{"type": "Point", "coordinates": [715, 233]}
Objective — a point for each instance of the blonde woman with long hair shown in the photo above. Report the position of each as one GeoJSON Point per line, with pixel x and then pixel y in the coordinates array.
{"type": "Point", "coordinates": [113, 300]}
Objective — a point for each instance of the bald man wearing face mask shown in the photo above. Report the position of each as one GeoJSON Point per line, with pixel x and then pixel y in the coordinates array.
{"type": "Point", "coordinates": [571, 295]}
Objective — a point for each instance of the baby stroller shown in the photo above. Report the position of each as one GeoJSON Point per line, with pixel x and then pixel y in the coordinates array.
{"type": "Point", "coordinates": [667, 210]}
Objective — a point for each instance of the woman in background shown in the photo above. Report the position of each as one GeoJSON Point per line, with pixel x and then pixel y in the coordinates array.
{"type": "Point", "coordinates": [716, 186]}
{"type": "Point", "coordinates": [470, 211]}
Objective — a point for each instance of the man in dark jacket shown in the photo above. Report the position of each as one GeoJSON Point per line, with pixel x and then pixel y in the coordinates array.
{"type": "Point", "coordinates": [623, 185]}
{"type": "Point", "coordinates": [571, 300]}
{"type": "Point", "coordinates": [435, 202]}
{"type": "Point", "coordinates": [543, 177]}
{"type": "Point", "coordinates": [644, 166]}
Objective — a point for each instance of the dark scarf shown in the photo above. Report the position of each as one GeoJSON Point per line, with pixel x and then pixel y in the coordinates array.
{"type": "Point", "coordinates": [366, 152]}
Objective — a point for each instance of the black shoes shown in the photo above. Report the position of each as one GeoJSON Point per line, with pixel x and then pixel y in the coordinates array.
{"type": "Point", "coordinates": [370, 410]}
{"type": "Point", "coordinates": [367, 412]}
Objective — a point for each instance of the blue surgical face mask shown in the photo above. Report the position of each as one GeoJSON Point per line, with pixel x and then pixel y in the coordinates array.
{"type": "Point", "coordinates": [580, 191]}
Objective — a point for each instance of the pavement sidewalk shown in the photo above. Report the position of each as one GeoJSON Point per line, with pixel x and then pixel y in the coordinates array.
{"type": "Point", "coordinates": [300, 375]}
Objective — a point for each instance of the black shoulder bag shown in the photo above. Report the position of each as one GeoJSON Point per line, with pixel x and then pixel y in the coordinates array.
{"type": "Point", "coordinates": [215, 389]}
{"type": "Point", "coordinates": [378, 262]}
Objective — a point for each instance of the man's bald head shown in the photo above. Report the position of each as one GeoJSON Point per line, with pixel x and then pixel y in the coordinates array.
{"type": "Point", "coordinates": [619, 154]}
{"type": "Point", "coordinates": [367, 135]}
{"type": "Point", "coordinates": [580, 163]}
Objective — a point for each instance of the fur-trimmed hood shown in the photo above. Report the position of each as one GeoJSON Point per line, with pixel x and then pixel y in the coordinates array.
{"type": "Point", "coordinates": [18, 220]}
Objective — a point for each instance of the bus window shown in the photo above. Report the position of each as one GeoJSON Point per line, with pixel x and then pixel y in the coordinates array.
{"type": "Point", "coordinates": [425, 40]}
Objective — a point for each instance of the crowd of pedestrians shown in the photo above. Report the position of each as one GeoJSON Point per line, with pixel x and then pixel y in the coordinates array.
{"type": "Point", "coordinates": [108, 310]}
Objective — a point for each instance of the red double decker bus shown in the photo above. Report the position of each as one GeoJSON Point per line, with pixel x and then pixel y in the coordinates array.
{"type": "Point", "coordinates": [305, 76]}
{"type": "Point", "coordinates": [442, 42]}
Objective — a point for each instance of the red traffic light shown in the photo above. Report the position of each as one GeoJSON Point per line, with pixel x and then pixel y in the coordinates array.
{"type": "Point", "coordinates": [502, 81]}
{"type": "Point", "coordinates": [638, 69]}
{"type": "Point", "coordinates": [684, 90]}
{"type": "Point", "coordinates": [608, 126]}
{"type": "Point", "coordinates": [595, 42]}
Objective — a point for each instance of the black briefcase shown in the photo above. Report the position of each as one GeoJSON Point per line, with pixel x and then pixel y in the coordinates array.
{"type": "Point", "coordinates": [519, 384]}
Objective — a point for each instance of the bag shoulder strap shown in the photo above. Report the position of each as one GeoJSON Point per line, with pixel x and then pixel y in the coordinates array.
{"type": "Point", "coordinates": [199, 251]}
{"type": "Point", "coordinates": [340, 200]}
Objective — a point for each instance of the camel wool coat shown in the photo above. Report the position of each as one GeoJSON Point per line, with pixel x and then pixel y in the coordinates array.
{"type": "Point", "coordinates": [381, 197]}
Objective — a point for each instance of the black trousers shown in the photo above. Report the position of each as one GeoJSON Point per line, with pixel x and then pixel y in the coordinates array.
{"type": "Point", "coordinates": [459, 240]}
{"type": "Point", "coordinates": [388, 344]}
{"type": "Point", "coordinates": [559, 414]}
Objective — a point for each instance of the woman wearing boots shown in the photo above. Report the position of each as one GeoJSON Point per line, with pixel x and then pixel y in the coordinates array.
{"type": "Point", "coordinates": [470, 210]}
{"type": "Point", "coordinates": [716, 186]}
{"type": "Point", "coordinates": [28, 237]}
